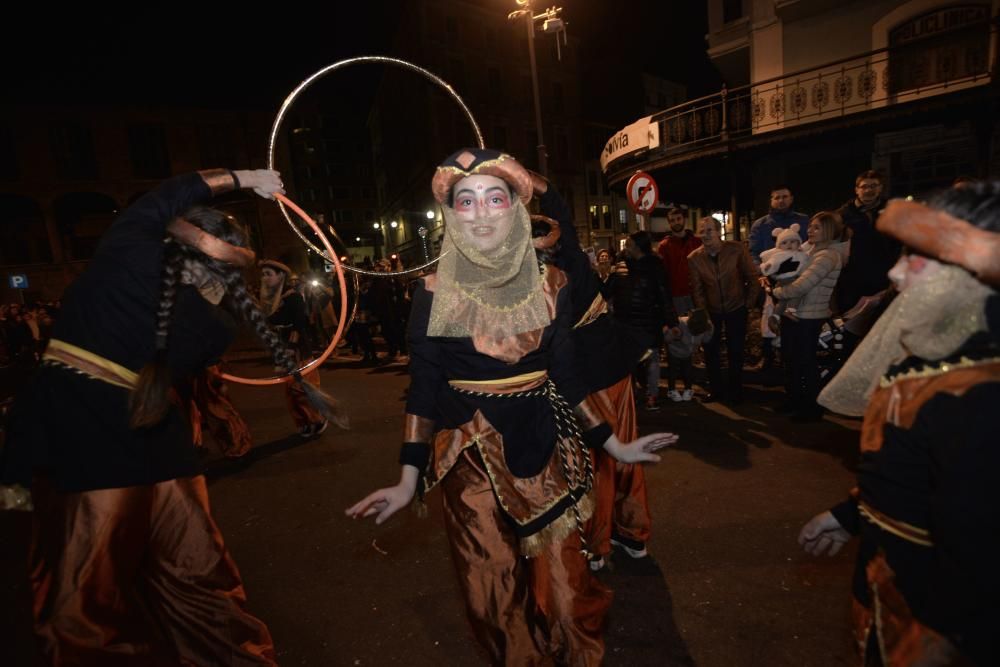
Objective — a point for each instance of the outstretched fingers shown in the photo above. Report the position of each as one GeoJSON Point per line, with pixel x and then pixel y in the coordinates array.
{"type": "Point", "coordinates": [656, 441]}
{"type": "Point", "coordinates": [372, 504]}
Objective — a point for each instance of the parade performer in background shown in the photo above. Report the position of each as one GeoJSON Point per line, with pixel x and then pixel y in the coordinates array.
{"type": "Point", "coordinates": [927, 503]}
{"type": "Point", "coordinates": [606, 353]}
{"type": "Point", "coordinates": [286, 312]}
{"type": "Point", "coordinates": [492, 416]}
{"type": "Point", "coordinates": [127, 563]}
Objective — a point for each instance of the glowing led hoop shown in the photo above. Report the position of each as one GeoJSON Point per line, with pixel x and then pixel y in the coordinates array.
{"type": "Point", "coordinates": [286, 105]}
{"type": "Point", "coordinates": [317, 362]}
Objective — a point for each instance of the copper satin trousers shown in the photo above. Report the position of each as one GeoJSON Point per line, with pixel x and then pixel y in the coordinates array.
{"type": "Point", "coordinates": [621, 504]}
{"type": "Point", "coordinates": [302, 411]}
{"type": "Point", "coordinates": [138, 576]}
{"type": "Point", "coordinates": [210, 402]}
{"type": "Point", "coordinates": [524, 611]}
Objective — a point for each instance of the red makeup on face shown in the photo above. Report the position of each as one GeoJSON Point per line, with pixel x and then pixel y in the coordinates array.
{"type": "Point", "coordinates": [493, 198]}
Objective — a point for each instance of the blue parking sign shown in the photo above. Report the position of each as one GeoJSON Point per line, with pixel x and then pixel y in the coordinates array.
{"type": "Point", "coordinates": [17, 281]}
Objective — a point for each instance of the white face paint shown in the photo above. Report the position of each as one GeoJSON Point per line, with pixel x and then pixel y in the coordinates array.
{"type": "Point", "coordinates": [484, 208]}
{"type": "Point", "coordinates": [912, 269]}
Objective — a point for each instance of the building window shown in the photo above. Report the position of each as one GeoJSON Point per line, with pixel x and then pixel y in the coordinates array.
{"type": "Point", "coordinates": [216, 145]}
{"type": "Point", "coordinates": [8, 155]}
{"type": "Point", "coordinates": [495, 83]}
{"type": "Point", "coordinates": [592, 183]}
{"type": "Point", "coordinates": [732, 10]}
{"type": "Point", "coordinates": [148, 149]}
{"type": "Point", "coordinates": [623, 219]}
{"type": "Point", "coordinates": [606, 216]}
{"type": "Point", "coordinates": [500, 137]}
{"type": "Point", "coordinates": [531, 156]}
{"type": "Point", "coordinates": [938, 47]}
{"type": "Point", "coordinates": [594, 220]}
{"type": "Point", "coordinates": [73, 149]}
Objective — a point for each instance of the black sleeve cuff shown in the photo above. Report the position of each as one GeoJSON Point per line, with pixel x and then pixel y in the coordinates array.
{"type": "Point", "coordinates": [596, 437]}
{"type": "Point", "coordinates": [416, 454]}
{"type": "Point", "coordinates": [847, 515]}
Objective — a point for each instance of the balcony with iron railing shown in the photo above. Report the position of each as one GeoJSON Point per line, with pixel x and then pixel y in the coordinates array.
{"type": "Point", "coordinates": [867, 82]}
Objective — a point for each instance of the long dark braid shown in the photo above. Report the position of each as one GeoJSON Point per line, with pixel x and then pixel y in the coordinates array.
{"type": "Point", "coordinates": [151, 399]}
{"type": "Point", "coordinates": [247, 308]}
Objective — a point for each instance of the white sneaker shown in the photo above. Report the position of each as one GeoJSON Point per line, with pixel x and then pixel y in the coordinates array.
{"type": "Point", "coordinates": [674, 396]}
{"type": "Point", "coordinates": [687, 395]}
{"type": "Point", "coordinates": [632, 548]}
{"type": "Point", "coordinates": [597, 564]}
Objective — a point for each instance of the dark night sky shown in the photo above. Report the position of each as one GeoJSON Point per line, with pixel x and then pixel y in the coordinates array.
{"type": "Point", "coordinates": [220, 58]}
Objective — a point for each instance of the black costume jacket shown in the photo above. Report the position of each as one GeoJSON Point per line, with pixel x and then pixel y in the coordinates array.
{"type": "Point", "coordinates": [75, 428]}
{"type": "Point", "coordinates": [927, 508]}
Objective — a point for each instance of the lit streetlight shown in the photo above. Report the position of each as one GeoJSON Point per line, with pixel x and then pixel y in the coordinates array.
{"type": "Point", "coordinates": [376, 226]}
{"type": "Point", "coordinates": [394, 224]}
{"type": "Point", "coordinates": [430, 215]}
{"type": "Point", "coordinates": [550, 23]}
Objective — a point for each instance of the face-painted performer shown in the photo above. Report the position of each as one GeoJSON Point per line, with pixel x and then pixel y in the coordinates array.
{"type": "Point", "coordinates": [490, 419]}
{"type": "Point", "coordinates": [927, 380]}
{"type": "Point", "coordinates": [126, 558]}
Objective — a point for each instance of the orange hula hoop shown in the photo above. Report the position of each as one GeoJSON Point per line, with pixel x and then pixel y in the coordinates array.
{"type": "Point", "coordinates": [318, 361]}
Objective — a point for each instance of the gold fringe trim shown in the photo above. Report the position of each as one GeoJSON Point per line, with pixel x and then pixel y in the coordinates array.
{"type": "Point", "coordinates": [597, 308]}
{"type": "Point", "coordinates": [534, 545]}
{"type": "Point", "coordinates": [90, 364]}
{"type": "Point", "coordinates": [15, 497]}
{"type": "Point", "coordinates": [517, 379]}
{"type": "Point", "coordinates": [936, 369]}
{"type": "Point", "coordinates": [900, 529]}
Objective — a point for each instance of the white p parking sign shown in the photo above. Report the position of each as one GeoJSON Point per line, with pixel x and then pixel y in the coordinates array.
{"type": "Point", "coordinates": [17, 281]}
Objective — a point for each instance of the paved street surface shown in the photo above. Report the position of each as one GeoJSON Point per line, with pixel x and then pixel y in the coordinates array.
{"type": "Point", "coordinates": [726, 584]}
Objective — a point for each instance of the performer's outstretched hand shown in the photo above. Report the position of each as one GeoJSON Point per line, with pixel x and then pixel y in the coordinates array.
{"type": "Point", "coordinates": [386, 502]}
{"type": "Point", "coordinates": [823, 531]}
{"type": "Point", "coordinates": [265, 182]}
{"type": "Point", "coordinates": [639, 450]}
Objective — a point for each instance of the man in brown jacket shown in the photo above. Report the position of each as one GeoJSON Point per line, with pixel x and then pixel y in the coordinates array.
{"type": "Point", "coordinates": [724, 282]}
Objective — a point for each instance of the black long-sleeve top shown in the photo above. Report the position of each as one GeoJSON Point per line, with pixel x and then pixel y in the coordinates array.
{"type": "Point", "coordinates": [605, 351]}
{"type": "Point", "coordinates": [527, 424]}
{"type": "Point", "coordinates": [941, 475]}
{"type": "Point", "coordinates": [75, 428]}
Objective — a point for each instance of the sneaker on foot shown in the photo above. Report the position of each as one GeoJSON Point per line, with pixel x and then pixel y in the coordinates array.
{"type": "Point", "coordinates": [674, 396]}
{"type": "Point", "coordinates": [597, 564]}
{"type": "Point", "coordinates": [687, 395]}
{"type": "Point", "coordinates": [306, 431]}
{"type": "Point", "coordinates": [318, 428]}
{"type": "Point", "coordinates": [633, 548]}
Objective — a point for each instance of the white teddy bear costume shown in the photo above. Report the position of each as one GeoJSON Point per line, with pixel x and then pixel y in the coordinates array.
{"type": "Point", "coordinates": [786, 260]}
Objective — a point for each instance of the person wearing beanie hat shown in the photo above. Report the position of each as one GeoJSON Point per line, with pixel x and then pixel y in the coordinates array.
{"type": "Point", "coordinates": [497, 417]}
{"type": "Point", "coordinates": [127, 561]}
{"type": "Point", "coordinates": [926, 378]}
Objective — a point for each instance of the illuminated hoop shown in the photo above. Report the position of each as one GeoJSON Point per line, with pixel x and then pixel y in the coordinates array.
{"type": "Point", "coordinates": [318, 361]}
{"type": "Point", "coordinates": [286, 105]}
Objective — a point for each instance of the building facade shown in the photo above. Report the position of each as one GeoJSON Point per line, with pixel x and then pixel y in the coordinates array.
{"type": "Point", "coordinates": [819, 91]}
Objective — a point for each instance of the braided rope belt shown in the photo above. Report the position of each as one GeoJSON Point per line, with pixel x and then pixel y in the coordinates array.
{"type": "Point", "coordinates": [568, 438]}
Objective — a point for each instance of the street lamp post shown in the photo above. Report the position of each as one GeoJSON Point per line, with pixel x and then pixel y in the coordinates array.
{"type": "Point", "coordinates": [550, 17]}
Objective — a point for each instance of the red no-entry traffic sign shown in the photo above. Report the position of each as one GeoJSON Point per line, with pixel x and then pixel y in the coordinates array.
{"type": "Point", "coordinates": [642, 192]}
